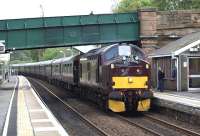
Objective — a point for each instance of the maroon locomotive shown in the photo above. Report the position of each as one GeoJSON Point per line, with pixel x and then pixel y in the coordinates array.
{"type": "Point", "coordinates": [116, 77]}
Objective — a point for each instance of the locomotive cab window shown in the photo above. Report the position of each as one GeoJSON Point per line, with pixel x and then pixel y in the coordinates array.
{"type": "Point", "coordinates": [138, 53]}
{"type": "Point", "coordinates": [112, 53]}
{"type": "Point", "coordinates": [123, 50]}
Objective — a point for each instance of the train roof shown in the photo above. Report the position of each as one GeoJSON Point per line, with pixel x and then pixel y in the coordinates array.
{"type": "Point", "coordinates": [42, 63]}
{"type": "Point", "coordinates": [104, 49]}
{"type": "Point", "coordinates": [60, 60]}
{"type": "Point", "coordinates": [23, 64]}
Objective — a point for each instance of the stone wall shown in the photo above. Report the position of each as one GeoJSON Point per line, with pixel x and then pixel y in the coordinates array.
{"type": "Point", "coordinates": [157, 28]}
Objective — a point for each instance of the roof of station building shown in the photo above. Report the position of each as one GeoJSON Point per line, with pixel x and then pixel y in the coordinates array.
{"type": "Point", "coordinates": [178, 46]}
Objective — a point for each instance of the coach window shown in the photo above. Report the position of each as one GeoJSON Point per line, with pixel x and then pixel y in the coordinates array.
{"type": "Point", "coordinates": [80, 70]}
{"type": "Point", "coordinates": [65, 66]}
{"type": "Point", "coordinates": [70, 68]}
{"type": "Point", "coordinates": [88, 69]}
{"type": "Point", "coordinates": [1, 69]}
{"type": "Point", "coordinates": [57, 68]}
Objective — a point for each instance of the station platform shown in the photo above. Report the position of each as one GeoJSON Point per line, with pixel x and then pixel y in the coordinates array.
{"type": "Point", "coordinates": [182, 102]}
{"type": "Point", "coordinates": [23, 113]}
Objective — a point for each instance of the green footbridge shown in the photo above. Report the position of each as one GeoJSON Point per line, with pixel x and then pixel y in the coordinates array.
{"type": "Point", "coordinates": [47, 32]}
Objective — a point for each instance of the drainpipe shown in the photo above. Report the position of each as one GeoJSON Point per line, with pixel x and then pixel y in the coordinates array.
{"type": "Point", "coordinates": [177, 75]}
{"type": "Point", "coordinates": [177, 71]}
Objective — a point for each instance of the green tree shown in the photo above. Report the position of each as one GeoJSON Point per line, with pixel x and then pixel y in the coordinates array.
{"type": "Point", "coordinates": [26, 56]}
{"type": "Point", "coordinates": [176, 4]}
{"type": "Point", "coordinates": [50, 54]}
{"type": "Point", "coordinates": [35, 54]}
{"type": "Point", "coordinates": [131, 5]}
{"type": "Point", "coordinates": [54, 53]}
{"type": "Point", "coordinates": [21, 56]}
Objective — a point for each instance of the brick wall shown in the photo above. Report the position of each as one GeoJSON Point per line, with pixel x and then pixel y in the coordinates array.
{"type": "Point", "coordinates": [157, 28]}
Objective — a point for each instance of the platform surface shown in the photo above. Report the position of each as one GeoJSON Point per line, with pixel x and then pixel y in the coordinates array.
{"type": "Point", "coordinates": [25, 114]}
{"type": "Point", "coordinates": [187, 102]}
{"type": "Point", "coordinates": [6, 90]}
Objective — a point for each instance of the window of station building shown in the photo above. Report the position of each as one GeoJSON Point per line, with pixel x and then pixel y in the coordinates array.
{"type": "Point", "coordinates": [168, 66]}
{"type": "Point", "coordinates": [173, 68]}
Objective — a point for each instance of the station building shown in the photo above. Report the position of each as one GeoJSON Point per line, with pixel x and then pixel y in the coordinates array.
{"type": "Point", "coordinates": [180, 61]}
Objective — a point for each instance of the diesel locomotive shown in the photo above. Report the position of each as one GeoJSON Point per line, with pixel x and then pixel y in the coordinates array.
{"type": "Point", "coordinates": [116, 77]}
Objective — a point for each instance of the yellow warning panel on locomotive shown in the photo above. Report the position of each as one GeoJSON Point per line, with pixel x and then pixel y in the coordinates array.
{"type": "Point", "coordinates": [116, 106]}
{"type": "Point", "coordinates": [130, 82]}
{"type": "Point", "coordinates": [144, 105]}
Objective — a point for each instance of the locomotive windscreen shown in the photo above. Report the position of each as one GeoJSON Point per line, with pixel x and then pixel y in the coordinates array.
{"type": "Point", "coordinates": [124, 50]}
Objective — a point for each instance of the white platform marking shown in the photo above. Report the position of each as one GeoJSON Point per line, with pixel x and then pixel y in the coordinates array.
{"type": "Point", "coordinates": [5, 129]}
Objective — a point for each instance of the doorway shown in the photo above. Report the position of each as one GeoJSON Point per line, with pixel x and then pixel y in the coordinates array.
{"type": "Point", "coordinates": [194, 74]}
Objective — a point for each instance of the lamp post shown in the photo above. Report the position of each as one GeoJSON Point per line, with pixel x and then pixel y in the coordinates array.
{"type": "Point", "coordinates": [42, 10]}
{"type": "Point", "coordinates": [62, 53]}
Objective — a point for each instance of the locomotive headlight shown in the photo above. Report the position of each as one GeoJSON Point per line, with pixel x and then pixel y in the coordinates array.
{"type": "Point", "coordinates": [136, 58]}
{"type": "Point", "coordinates": [112, 66]}
{"type": "Point", "coordinates": [130, 80]}
{"type": "Point", "coordinates": [147, 66]}
{"type": "Point", "coordinates": [124, 58]}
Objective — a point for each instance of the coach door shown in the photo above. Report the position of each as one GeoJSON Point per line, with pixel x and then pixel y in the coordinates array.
{"type": "Point", "coordinates": [194, 74]}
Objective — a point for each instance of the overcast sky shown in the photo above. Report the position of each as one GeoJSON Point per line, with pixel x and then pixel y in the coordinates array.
{"type": "Point", "coordinates": [31, 8]}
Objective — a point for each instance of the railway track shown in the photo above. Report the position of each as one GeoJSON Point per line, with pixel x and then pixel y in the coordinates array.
{"type": "Point", "coordinates": [183, 131]}
{"type": "Point", "coordinates": [80, 116]}
{"type": "Point", "coordinates": [138, 125]}
{"type": "Point", "coordinates": [172, 126]}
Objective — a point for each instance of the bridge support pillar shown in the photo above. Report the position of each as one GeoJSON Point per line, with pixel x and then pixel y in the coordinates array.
{"type": "Point", "coordinates": [148, 29]}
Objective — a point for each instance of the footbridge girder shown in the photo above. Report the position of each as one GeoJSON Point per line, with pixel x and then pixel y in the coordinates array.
{"type": "Point", "coordinates": [46, 32]}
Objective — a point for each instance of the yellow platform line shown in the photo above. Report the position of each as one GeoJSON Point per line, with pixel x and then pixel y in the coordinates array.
{"type": "Point", "coordinates": [24, 127]}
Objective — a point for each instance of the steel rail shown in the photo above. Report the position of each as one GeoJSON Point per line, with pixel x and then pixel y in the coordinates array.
{"type": "Point", "coordinates": [88, 122]}
{"type": "Point", "coordinates": [173, 126]}
{"type": "Point", "coordinates": [138, 125]}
